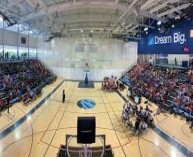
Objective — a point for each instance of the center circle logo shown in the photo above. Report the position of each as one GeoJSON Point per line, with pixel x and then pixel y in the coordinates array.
{"type": "Point", "coordinates": [86, 103]}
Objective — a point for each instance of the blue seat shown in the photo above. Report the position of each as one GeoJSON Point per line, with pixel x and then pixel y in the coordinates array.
{"type": "Point", "coordinates": [186, 115]}
{"type": "Point", "coordinates": [175, 110]}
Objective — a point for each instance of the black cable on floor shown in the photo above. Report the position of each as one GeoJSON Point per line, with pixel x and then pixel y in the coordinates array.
{"type": "Point", "coordinates": [32, 140]}
{"type": "Point", "coordinates": [139, 146]}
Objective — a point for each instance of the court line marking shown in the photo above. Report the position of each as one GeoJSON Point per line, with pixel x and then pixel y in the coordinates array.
{"type": "Point", "coordinates": [113, 125]}
{"type": "Point", "coordinates": [172, 141]}
{"type": "Point", "coordinates": [20, 121]}
{"type": "Point", "coordinates": [41, 139]}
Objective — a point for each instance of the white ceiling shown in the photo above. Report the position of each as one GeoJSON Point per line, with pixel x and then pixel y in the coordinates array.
{"type": "Point", "coordinates": [102, 17]}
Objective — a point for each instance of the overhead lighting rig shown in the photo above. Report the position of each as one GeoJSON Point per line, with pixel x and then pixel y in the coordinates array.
{"type": "Point", "coordinates": [9, 21]}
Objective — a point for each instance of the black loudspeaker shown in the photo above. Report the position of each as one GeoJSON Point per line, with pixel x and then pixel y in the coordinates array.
{"type": "Point", "coordinates": [185, 64]}
{"type": "Point", "coordinates": [86, 129]}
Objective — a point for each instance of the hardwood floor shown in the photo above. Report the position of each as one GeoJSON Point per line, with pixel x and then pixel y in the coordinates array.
{"type": "Point", "coordinates": [41, 134]}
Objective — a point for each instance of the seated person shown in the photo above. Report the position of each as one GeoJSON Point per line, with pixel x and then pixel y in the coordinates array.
{"type": "Point", "coordinates": [129, 123]}
{"type": "Point", "coordinates": [143, 126]}
{"type": "Point", "coordinates": [121, 85]}
{"type": "Point", "coordinates": [150, 120]}
{"type": "Point", "coordinates": [137, 123]}
{"type": "Point", "coordinates": [2, 104]}
{"type": "Point", "coordinates": [128, 93]}
{"type": "Point", "coordinates": [148, 109]}
{"type": "Point", "coordinates": [134, 109]}
{"type": "Point", "coordinates": [191, 125]}
{"type": "Point", "coordinates": [124, 116]}
{"type": "Point", "coordinates": [31, 94]}
{"type": "Point", "coordinates": [25, 98]}
{"type": "Point", "coordinates": [145, 118]}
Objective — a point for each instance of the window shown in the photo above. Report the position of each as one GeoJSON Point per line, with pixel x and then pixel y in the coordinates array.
{"type": "Point", "coordinates": [23, 52]}
{"type": "Point", "coordinates": [32, 53]}
{"type": "Point", "coordinates": [11, 52]}
{"type": "Point", "coordinates": [12, 28]}
{"type": "Point", "coordinates": [23, 40]}
{"type": "Point", "coordinates": [1, 22]}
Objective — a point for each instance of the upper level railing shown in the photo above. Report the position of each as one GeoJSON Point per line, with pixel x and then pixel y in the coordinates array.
{"type": "Point", "coordinates": [170, 64]}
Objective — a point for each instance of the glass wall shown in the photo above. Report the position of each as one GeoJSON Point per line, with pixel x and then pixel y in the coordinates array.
{"type": "Point", "coordinates": [67, 57]}
{"type": "Point", "coordinates": [32, 53]}
{"type": "Point", "coordinates": [23, 52]}
{"type": "Point", "coordinates": [14, 49]}
{"type": "Point", "coordinates": [1, 50]}
{"type": "Point", "coordinates": [10, 52]}
{"type": "Point", "coordinates": [12, 28]}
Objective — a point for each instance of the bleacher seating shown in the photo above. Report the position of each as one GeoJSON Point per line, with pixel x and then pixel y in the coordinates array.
{"type": "Point", "coordinates": [22, 80]}
{"type": "Point", "coordinates": [168, 87]}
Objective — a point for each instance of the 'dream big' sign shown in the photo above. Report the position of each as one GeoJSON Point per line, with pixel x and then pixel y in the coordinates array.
{"type": "Point", "coordinates": [177, 37]}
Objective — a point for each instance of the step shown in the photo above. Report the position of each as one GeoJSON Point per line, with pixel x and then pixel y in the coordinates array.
{"type": "Point", "coordinates": [171, 102]}
{"type": "Point", "coordinates": [4, 98]}
{"type": "Point", "coordinates": [172, 97]}
{"type": "Point", "coordinates": [167, 104]}
{"type": "Point", "coordinates": [173, 94]}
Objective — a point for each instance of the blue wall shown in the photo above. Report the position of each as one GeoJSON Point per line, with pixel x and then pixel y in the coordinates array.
{"type": "Point", "coordinates": [170, 43]}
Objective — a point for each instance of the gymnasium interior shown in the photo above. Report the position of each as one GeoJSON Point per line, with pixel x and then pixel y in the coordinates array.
{"type": "Point", "coordinates": [96, 78]}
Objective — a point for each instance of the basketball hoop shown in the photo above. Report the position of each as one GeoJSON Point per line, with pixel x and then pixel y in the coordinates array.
{"type": "Point", "coordinates": [86, 67]}
{"type": "Point", "coordinates": [85, 150]}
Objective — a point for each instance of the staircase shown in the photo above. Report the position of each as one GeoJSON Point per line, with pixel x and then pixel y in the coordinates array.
{"type": "Point", "coordinates": [181, 79]}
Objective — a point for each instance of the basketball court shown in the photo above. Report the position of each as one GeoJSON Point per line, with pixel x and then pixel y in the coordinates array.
{"type": "Point", "coordinates": [95, 54]}
{"type": "Point", "coordinates": [42, 132]}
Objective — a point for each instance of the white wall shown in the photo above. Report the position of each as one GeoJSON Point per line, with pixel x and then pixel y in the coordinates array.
{"type": "Point", "coordinates": [111, 57]}
{"type": "Point", "coordinates": [10, 39]}
{"type": "Point", "coordinates": [179, 58]}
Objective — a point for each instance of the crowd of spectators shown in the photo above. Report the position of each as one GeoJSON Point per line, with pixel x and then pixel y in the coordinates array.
{"type": "Point", "coordinates": [158, 83]}
{"type": "Point", "coordinates": [109, 83]}
{"type": "Point", "coordinates": [184, 96]}
{"type": "Point", "coordinates": [22, 81]}
{"type": "Point", "coordinates": [153, 82]}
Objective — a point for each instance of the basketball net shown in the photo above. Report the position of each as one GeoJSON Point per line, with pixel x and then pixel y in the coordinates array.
{"type": "Point", "coordinates": [86, 67]}
{"type": "Point", "coordinates": [84, 150]}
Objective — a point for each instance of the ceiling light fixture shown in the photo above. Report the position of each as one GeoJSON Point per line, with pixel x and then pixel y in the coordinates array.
{"type": "Point", "coordinates": [145, 29]}
{"type": "Point", "coordinates": [177, 17]}
{"type": "Point", "coordinates": [122, 23]}
{"type": "Point", "coordinates": [159, 23]}
{"type": "Point", "coordinates": [1, 18]}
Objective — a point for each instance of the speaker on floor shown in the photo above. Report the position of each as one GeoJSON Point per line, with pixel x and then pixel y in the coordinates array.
{"type": "Point", "coordinates": [86, 129]}
{"type": "Point", "coordinates": [185, 64]}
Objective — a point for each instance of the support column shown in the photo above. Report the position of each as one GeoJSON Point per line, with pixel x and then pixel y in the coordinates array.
{"type": "Point", "coordinates": [28, 44]}
{"type": "Point", "coordinates": [3, 53]}
{"type": "Point", "coordinates": [17, 42]}
{"type": "Point", "coordinates": [36, 46]}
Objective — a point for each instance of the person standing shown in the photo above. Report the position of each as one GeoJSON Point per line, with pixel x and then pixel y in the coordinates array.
{"type": "Point", "coordinates": [63, 96]}
{"type": "Point", "coordinates": [175, 61]}
{"type": "Point", "coordinates": [8, 104]}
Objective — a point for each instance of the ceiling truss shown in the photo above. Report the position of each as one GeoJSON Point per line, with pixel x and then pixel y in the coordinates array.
{"type": "Point", "coordinates": [120, 17]}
